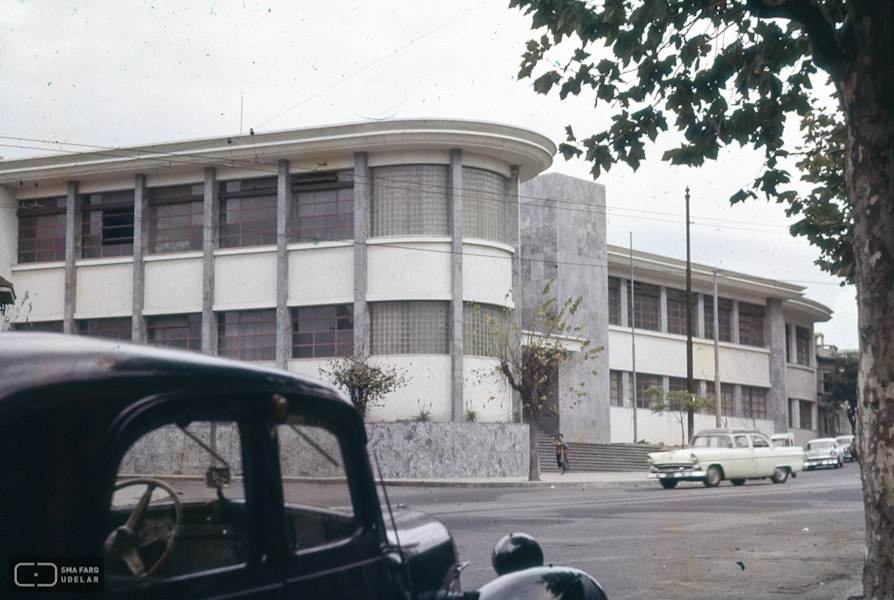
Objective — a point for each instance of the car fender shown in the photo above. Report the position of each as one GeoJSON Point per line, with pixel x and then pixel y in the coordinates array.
{"type": "Point", "coordinates": [543, 583]}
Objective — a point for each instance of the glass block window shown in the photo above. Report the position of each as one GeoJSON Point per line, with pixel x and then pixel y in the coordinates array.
{"type": "Point", "coordinates": [42, 230]}
{"type": "Point", "coordinates": [114, 329]}
{"type": "Point", "coordinates": [724, 314]}
{"type": "Point", "coordinates": [323, 331]}
{"type": "Point", "coordinates": [802, 346]}
{"type": "Point", "coordinates": [676, 312]}
{"type": "Point", "coordinates": [176, 331]}
{"type": "Point", "coordinates": [323, 210]}
{"type": "Point", "coordinates": [754, 402]}
{"type": "Point", "coordinates": [484, 205]}
{"type": "Point", "coordinates": [614, 301]}
{"type": "Point", "coordinates": [482, 328]}
{"type": "Point", "coordinates": [646, 309]}
{"type": "Point", "coordinates": [805, 412]}
{"type": "Point", "coordinates": [248, 213]}
{"type": "Point", "coordinates": [247, 334]}
{"type": "Point", "coordinates": [615, 388]}
{"type": "Point", "coordinates": [726, 397]}
{"type": "Point", "coordinates": [644, 382]}
{"type": "Point", "coordinates": [107, 228]}
{"type": "Point", "coordinates": [408, 327]}
{"type": "Point", "coordinates": [751, 324]}
{"type": "Point", "coordinates": [176, 218]}
{"type": "Point", "coordinates": [409, 200]}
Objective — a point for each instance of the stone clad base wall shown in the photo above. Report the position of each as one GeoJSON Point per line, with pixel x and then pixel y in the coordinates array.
{"type": "Point", "coordinates": [421, 450]}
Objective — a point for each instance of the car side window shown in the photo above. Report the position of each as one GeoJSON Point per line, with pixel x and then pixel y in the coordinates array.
{"type": "Point", "coordinates": [741, 441]}
{"type": "Point", "coordinates": [179, 503]}
{"type": "Point", "coordinates": [759, 442]}
{"type": "Point", "coordinates": [319, 509]}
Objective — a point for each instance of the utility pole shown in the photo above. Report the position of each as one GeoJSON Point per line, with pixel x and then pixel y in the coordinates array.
{"type": "Point", "coordinates": [690, 383]}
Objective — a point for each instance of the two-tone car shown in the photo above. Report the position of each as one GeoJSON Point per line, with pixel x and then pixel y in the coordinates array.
{"type": "Point", "coordinates": [715, 455]}
{"type": "Point", "coordinates": [823, 452]}
{"type": "Point", "coordinates": [135, 472]}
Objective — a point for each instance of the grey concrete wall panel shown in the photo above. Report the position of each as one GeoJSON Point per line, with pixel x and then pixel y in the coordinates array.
{"type": "Point", "coordinates": [777, 397]}
{"type": "Point", "coordinates": [73, 229]}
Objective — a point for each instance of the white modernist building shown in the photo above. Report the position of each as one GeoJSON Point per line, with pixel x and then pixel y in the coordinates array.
{"type": "Point", "coordinates": [396, 239]}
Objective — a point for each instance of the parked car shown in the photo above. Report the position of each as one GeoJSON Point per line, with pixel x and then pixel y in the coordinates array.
{"type": "Point", "coordinates": [823, 452]}
{"type": "Point", "coordinates": [734, 454]}
{"type": "Point", "coordinates": [135, 472]}
{"type": "Point", "coordinates": [846, 442]}
{"type": "Point", "coordinates": [783, 439]}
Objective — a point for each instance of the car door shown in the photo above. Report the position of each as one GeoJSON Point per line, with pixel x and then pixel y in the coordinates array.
{"type": "Point", "coordinates": [187, 517]}
{"type": "Point", "coordinates": [331, 517]}
{"type": "Point", "coordinates": [766, 459]}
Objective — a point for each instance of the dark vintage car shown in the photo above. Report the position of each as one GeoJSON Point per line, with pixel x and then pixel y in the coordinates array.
{"type": "Point", "coordinates": [135, 472]}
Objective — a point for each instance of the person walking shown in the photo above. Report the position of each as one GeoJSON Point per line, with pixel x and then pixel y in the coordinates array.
{"type": "Point", "coordinates": [561, 453]}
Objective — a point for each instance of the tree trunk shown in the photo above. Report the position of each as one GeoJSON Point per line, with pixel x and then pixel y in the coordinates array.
{"type": "Point", "coordinates": [534, 458]}
{"type": "Point", "coordinates": [865, 86]}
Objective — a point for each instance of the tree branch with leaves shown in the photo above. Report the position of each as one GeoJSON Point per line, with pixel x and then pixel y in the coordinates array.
{"type": "Point", "coordinates": [365, 384]}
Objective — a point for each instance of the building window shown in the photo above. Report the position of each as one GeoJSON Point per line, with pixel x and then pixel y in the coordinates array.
{"type": "Point", "coordinates": [646, 309]}
{"type": "Point", "coordinates": [751, 324]}
{"type": "Point", "coordinates": [323, 207]}
{"type": "Point", "coordinates": [114, 329]}
{"type": "Point", "coordinates": [616, 390]}
{"type": "Point", "coordinates": [408, 327]}
{"type": "Point", "coordinates": [676, 312]}
{"type": "Point", "coordinates": [107, 225]}
{"type": "Point", "coordinates": [41, 230]}
{"type": "Point", "coordinates": [802, 346]}
{"type": "Point", "coordinates": [805, 411]}
{"type": "Point", "coordinates": [724, 315]}
{"type": "Point", "coordinates": [726, 397]}
{"type": "Point", "coordinates": [323, 331]}
{"type": "Point", "coordinates": [483, 325]}
{"type": "Point", "coordinates": [41, 326]}
{"type": "Point", "coordinates": [176, 218]}
{"type": "Point", "coordinates": [754, 402]}
{"type": "Point", "coordinates": [175, 331]}
{"type": "Point", "coordinates": [677, 384]}
{"type": "Point", "coordinates": [644, 382]}
{"type": "Point", "coordinates": [409, 200]}
{"type": "Point", "coordinates": [248, 213]}
{"type": "Point", "coordinates": [484, 205]}
{"type": "Point", "coordinates": [247, 335]}
{"type": "Point", "coordinates": [614, 301]}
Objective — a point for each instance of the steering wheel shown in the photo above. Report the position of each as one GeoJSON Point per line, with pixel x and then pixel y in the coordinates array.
{"type": "Point", "coordinates": [122, 541]}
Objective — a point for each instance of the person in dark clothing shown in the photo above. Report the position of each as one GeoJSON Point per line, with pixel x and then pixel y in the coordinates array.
{"type": "Point", "coordinates": [561, 453]}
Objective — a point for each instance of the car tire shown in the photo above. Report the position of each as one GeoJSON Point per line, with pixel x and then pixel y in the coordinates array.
{"type": "Point", "coordinates": [737, 481]}
{"type": "Point", "coordinates": [668, 484]}
{"type": "Point", "coordinates": [779, 475]}
{"type": "Point", "coordinates": [713, 477]}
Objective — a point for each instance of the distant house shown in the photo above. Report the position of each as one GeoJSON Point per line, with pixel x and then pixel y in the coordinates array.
{"type": "Point", "coordinates": [395, 238]}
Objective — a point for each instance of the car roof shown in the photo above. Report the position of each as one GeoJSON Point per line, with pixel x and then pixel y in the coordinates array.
{"type": "Point", "coordinates": [729, 430]}
{"type": "Point", "coordinates": [33, 359]}
{"type": "Point", "coordinates": [825, 439]}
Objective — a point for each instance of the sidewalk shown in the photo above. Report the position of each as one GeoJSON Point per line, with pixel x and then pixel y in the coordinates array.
{"type": "Point", "coordinates": [569, 479]}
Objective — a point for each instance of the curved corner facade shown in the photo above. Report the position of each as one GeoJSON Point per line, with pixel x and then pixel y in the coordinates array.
{"type": "Point", "coordinates": [291, 248]}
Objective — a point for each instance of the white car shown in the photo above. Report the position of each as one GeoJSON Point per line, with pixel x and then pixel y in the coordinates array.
{"type": "Point", "coordinates": [823, 452]}
{"type": "Point", "coordinates": [846, 442]}
{"type": "Point", "coordinates": [734, 454]}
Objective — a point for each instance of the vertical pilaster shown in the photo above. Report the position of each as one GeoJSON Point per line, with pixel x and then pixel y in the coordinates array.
{"type": "Point", "coordinates": [734, 322]}
{"type": "Point", "coordinates": [662, 308]}
{"type": "Point", "coordinates": [140, 251]}
{"type": "Point", "coordinates": [777, 397]}
{"type": "Point", "coordinates": [210, 221]}
{"type": "Point", "coordinates": [455, 225]}
{"type": "Point", "coordinates": [700, 314]}
{"type": "Point", "coordinates": [362, 200]}
{"type": "Point", "coordinates": [513, 238]}
{"type": "Point", "coordinates": [73, 229]}
{"type": "Point", "coordinates": [625, 296]}
{"type": "Point", "coordinates": [283, 237]}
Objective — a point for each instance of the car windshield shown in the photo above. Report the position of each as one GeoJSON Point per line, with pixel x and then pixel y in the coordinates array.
{"type": "Point", "coordinates": [711, 441]}
{"type": "Point", "coordinates": [818, 445]}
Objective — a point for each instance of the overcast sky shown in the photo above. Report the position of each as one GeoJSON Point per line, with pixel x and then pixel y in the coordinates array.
{"type": "Point", "coordinates": [105, 73]}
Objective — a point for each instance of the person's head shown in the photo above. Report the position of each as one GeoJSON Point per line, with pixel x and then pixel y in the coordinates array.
{"type": "Point", "coordinates": [559, 437]}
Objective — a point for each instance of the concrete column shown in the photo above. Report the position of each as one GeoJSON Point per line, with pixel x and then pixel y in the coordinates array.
{"type": "Point", "coordinates": [624, 304]}
{"type": "Point", "coordinates": [73, 230]}
{"type": "Point", "coordinates": [700, 315]}
{"type": "Point", "coordinates": [138, 331]}
{"type": "Point", "coordinates": [283, 237]}
{"type": "Point", "coordinates": [777, 397]}
{"type": "Point", "coordinates": [662, 309]}
{"type": "Point", "coordinates": [626, 387]}
{"type": "Point", "coordinates": [211, 221]}
{"type": "Point", "coordinates": [362, 200]}
{"type": "Point", "coordinates": [734, 323]}
{"type": "Point", "coordinates": [455, 226]}
{"type": "Point", "coordinates": [513, 238]}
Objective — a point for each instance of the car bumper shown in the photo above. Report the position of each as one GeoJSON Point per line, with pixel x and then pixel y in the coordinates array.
{"type": "Point", "coordinates": [683, 473]}
{"type": "Point", "coordinates": [820, 462]}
